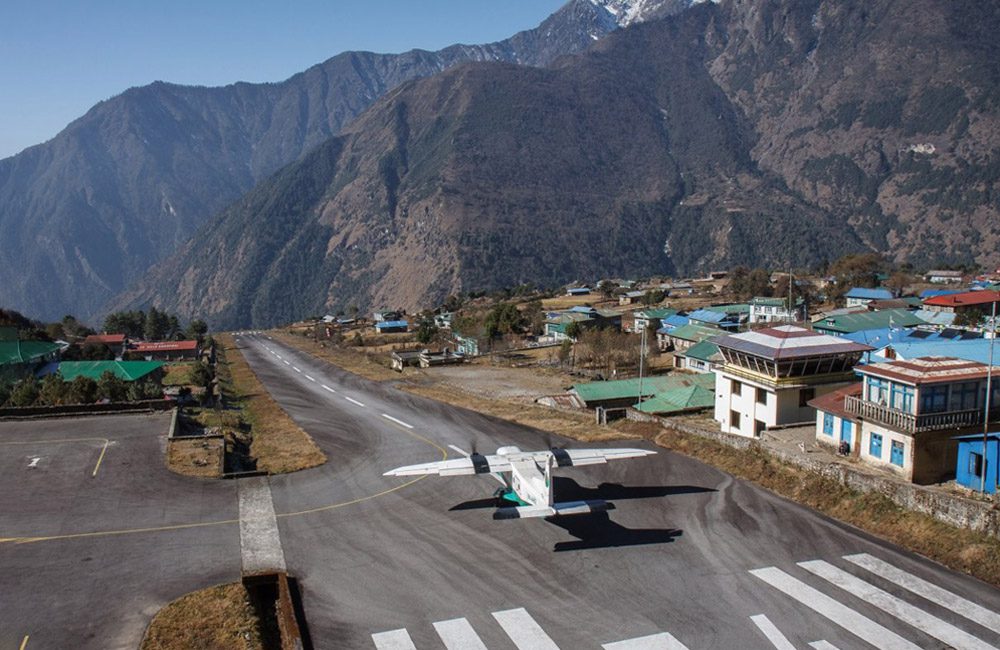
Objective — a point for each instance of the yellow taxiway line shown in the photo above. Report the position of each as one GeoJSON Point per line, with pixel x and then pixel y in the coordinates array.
{"type": "Point", "coordinates": [222, 522]}
{"type": "Point", "coordinates": [24, 642]}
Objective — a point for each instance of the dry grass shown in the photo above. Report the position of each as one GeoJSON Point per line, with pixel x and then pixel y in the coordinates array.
{"type": "Point", "coordinates": [963, 550]}
{"type": "Point", "coordinates": [177, 374]}
{"type": "Point", "coordinates": [279, 445]}
{"type": "Point", "coordinates": [565, 302]}
{"type": "Point", "coordinates": [564, 423]}
{"type": "Point", "coordinates": [356, 360]}
{"type": "Point", "coordinates": [199, 458]}
{"type": "Point", "coordinates": [217, 618]}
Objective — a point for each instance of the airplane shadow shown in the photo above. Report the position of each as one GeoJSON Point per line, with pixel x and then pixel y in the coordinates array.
{"type": "Point", "coordinates": [567, 489]}
{"type": "Point", "coordinates": [598, 531]}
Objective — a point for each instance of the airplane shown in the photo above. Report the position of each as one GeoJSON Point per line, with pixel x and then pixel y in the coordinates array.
{"type": "Point", "coordinates": [526, 477]}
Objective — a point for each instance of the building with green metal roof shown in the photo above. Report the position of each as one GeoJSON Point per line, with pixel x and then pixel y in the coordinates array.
{"type": "Point", "coordinates": [682, 399]}
{"type": "Point", "coordinates": [683, 337]}
{"type": "Point", "coordinates": [125, 370]}
{"type": "Point", "coordinates": [620, 393]}
{"type": "Point", "coordinates": [867, 320]}
{"type": "Point", "coordinates": [21, 352]}
{"type": "Point", "coordinates": [700, 357]}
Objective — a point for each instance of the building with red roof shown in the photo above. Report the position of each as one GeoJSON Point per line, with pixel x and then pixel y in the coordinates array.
{"type": "Point", "coordinates": [166, 350]}
{"type": "Point", "coordinates": [116, 342]}
{"type": "Point", "coordinates": [981, 301]}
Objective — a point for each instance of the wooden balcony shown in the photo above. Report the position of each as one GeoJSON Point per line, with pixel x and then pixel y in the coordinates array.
{"type": "Point", "coordinates": [907, 422]}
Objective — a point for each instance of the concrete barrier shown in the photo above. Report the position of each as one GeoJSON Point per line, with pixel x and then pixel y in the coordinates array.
{"type": "Point", "coordinates": [277, 590]}
{"type": "Point", "coordinates": [66, 410]}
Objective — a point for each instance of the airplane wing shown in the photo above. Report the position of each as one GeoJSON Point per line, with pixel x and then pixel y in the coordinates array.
{"type": "Point", "coordinates": [577, 457]}
{"type": "Point", "coordinates": [474, 464]}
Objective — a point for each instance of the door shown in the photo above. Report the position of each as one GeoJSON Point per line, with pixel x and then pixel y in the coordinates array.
{"type": "Point", "coordinates": [845, 431]}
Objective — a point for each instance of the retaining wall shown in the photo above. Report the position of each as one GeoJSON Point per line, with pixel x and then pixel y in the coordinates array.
{"type": "Point", "coordinates": [85, 409]}
{"type": "Point", "coordinates": [962, 512]}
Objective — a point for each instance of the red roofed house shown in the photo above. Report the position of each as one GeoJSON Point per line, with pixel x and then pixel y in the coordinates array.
{"type": "Point", "coordinates": [956, 303]}
{"type": "Point", "coordinates": [166, 350]}
{"type": "Point", "coordinates": [769, 376]}
{"type": "Point", "coordinates": [114, 341]}
{"type": "Point", "coordinates": [904, 415]}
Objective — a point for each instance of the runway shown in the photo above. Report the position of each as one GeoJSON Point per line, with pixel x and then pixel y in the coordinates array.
{"type": "Point", "coordinates": [689, 558]}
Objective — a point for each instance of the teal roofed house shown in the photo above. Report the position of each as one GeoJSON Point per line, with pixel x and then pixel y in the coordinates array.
{"type": "Point", "coordinates": [27, 352]}
{"type": "Point", "coordinates": [700, 357]}
{"type": "Point", "coordinates": [622, 393]}
{"type": "Point", "coordinates": [683, 399]}
{"type": "Point", "coordinates": [124, 370]}
{"type": "Point", "coordinates": [867, 320]}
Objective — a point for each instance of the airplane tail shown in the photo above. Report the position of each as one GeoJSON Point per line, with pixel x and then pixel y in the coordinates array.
{"type": "Point", "coordinates": [554, 510]}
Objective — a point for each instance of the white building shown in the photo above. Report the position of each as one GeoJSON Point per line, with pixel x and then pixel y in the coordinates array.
{"type": "Point", "coordinates": [775, 310]}
{"type": "Point", "coordinates": [768, 376]}
{"type": "Point", "coordinates": [944, 277]}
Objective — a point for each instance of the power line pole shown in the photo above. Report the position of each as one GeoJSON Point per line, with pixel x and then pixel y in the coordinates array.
{"type": "Point", "coordinates": [642, 355]}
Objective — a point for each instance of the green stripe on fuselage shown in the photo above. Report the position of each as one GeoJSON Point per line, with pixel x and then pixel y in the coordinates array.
{"type": "Point", "coordinates": [508, 494]}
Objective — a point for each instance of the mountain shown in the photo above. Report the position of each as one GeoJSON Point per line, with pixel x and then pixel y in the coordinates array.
{"type": "Point", "coordinates": [85, 214]}
{"type": "Point", "coordinates": [775, 132]}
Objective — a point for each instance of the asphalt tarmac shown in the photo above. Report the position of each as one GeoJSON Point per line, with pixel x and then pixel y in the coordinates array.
{"type": "Point", "coordinates": [689, 557]}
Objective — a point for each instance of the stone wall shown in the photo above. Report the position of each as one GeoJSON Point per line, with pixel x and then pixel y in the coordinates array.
{"type": "Point", "coordinates": [974, 514]}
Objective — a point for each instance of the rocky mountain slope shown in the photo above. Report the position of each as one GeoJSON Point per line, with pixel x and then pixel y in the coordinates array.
{"type": "Point", "coordinates": [771, 132]}
{"type": "Point", "coordinates": [85, 214]}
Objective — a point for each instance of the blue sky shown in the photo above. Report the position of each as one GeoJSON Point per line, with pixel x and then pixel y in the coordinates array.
{"type": "Point", "coordinates": [60, 57]}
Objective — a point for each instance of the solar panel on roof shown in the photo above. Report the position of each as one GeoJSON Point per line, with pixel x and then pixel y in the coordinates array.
{"type": "Point", "coordinates": [920, 334]}
{"type": "Point", "coordinates": [949, 333]}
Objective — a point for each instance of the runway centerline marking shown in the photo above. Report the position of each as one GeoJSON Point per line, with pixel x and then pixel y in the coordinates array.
{"type": "Point", "coordinates": [296, 369]}
{"type": "Point", "coordinates": [325, 387]}
{"type": "Point", "coordinates": [286, 363]}
{"type": "Point", "coordinates": [397, 421]}
{"type": "Point", "coordinates": [353, 401]}
{"type": "Point", "coordinates": [310, 378]}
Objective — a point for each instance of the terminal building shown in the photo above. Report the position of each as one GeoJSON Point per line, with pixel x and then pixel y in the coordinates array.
{"type": "Point", "coordinates": [768, 376]}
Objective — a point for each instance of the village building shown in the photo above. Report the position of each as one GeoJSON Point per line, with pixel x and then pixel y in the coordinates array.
{"type": "Point", "coordinates": [631, 297]}
{"type": "Point", "coordinates": [116, 342]}
{"type": "Point", "coordinates": [445, 357]}
{"type": "Point", "coordinates": [944, 277]}
{"type": "Point", "coordinates": [165, 350]}
{"type": "Point", "coordinates": [973, 461]}
{"type": "Point", "coordinates": [775, 310]}
{"type": "Point", "coordinates": [681, 338]}
{"type": "Point", "coordinates": [578, 291]}
{"type": "Point", "coordinates": [904, 415]}
{"type": "Point", "coordinates": [391, 326]}
{"type": "Point", "coordinates": [701, 357]}
{"type": "Point", "coordinates": [964, 303]}
{"type": "Point", "coordinates": [649, 319]}
{"type": "Point", "coordinates": [127, 371]}
{"type": "Point", "coordinates": [20, 358]}
{"type": "Point", "coordinates": [849, 323]}
{"type": "Point", "coordinates": [768, 376]}
{"type": "Point", "coordinates": [400, 359]}
{"type": "Point", "coordinates": [861, 296]}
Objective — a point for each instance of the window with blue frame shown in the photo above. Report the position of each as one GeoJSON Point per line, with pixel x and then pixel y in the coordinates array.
{"type": "Point", "coordinates": [896, 453]}
{"type": "Point", "coordinates": [875, 445]}
{"type": "Point", "coordinates": [934, 399]}
{"type": "Point", "coordinates": [878, 390]}
{"type": "Point", "coordinates": [902, 398]}
{"type": "Point", "coordinates": [963, 396]}
{"type": "Point", "coordinates": [828, 424]}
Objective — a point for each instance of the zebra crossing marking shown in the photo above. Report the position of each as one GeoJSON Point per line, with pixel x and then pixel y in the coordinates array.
{"type": "Point", "coordinates": [457, 634]}
{"type": "Point", "coordinates": [394, 640]}
{"type": "Point", "coordinates": [523, 630]}
{"type": "Point", "coordinates": [661, 641]}
{"type": "Point", "coordinates": [904, 611]}
{"type": "Point", "coordinates": [966, 608]}
{"type": "Point", "coordinates": [855, 623]}
{"type": "Point", "coordinates": [771, 631]}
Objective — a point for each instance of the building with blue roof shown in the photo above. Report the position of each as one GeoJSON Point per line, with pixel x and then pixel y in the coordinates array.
{"type": "Point", "coordinates": [934, 293]}
{"type": "Point", "coordinates": [391, 326]}
{"type": "Point", "coordinates": [861, 296]}
{"type": "Point", "coordinates": [977, 350]}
